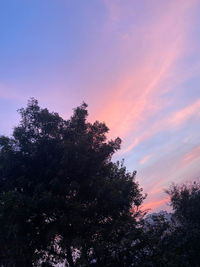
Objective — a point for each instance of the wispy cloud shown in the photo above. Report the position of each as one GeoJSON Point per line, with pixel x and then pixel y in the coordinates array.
{"type": "Point", "coordinates": [180, 117]}
{"type": "Point", "coordinates": [145, 159]}
{"type": "Point", "coordinates": [153, 205]}
{"type": "Point", "coordinates": [135, 96]}
{"type": "Point", "coordinates": [190, 156]}
{"type": "Point", "coordinates": [181, 165]}
{"type": "Point", "coordinates": [173, 121]}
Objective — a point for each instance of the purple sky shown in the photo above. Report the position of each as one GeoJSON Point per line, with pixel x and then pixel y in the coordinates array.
{"type": "Point", "coordinates": [136, 64]}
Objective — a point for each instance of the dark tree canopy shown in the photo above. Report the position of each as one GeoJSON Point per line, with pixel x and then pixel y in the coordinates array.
{"type": "Point", "coordinates": [184, 241]}
{"type": "Point", "coordinates": [185, 201]}
{"type": "Point", "coordinates": [176, 242]}
{"type": "Point", "coordinates": [60, 191]}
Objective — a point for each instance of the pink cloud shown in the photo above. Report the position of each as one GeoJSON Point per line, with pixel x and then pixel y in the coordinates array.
{"type": "Point", "coordinates": [190, 157]}
{"type": "Point", "coordinates": [176, 119]}
{"type": "Point", "coordinates": [184, 114]}
{"type": "Point", "coordinates": [157, 187]}
{"type": "Point", "coordinates": [145, 159]}
{"type": "Point", "coordinates": [152, 205]}
{"type": "Point", "coordinates": [135, 96]}
{"type": "Point", "coordinates": [179, 167]}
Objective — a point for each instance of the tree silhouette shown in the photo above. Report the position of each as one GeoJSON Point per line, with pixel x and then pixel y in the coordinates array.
{"type": "Point", "coordinates": [183, 244]}
{"type": "Point", "coordinates": [176, 242]}
{"type": "Point", "coordinates": [60, 192]}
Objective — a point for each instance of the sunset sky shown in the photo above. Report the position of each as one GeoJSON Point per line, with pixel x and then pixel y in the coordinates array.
{"type": "Point", "coordinates": [136, 63]}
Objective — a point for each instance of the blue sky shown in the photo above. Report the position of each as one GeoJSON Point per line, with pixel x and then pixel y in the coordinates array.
{"type": "Point", "coordinates": [136, 63]}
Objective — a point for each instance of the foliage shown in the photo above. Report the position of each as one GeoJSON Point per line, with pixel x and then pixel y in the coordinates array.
{"type": "Point", "coordinates": [176, 242]}
{"type": "Point", "coordinates": [185, 201]}
{"type": "Point", "coordinates": [184, 241]}
{"type": "Point", "coordinates": [60, 191]}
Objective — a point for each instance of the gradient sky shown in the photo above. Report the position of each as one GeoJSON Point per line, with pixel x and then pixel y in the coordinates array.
{"type": "Point", "coordinates": [135, 62]}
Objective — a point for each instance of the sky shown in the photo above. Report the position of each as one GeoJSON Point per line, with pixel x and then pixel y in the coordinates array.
{"type": "Point", "coordinates": [136, 63]}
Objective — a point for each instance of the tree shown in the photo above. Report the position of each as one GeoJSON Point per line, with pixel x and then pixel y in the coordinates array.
{"type": "Point", "coordinates": [185, 201]}
{"type": "Point", "coordinates": [61, 196]}
{"type": "Point", "coordinates": [176, 242]}
{"type": "Point", "coordinates": [184, 240]}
